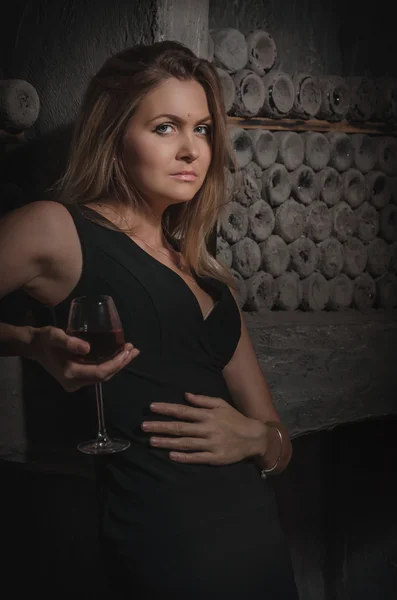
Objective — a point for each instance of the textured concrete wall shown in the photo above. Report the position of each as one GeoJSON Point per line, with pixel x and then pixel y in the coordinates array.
{"type": "Point", "coordinates": [326, 369]}
{"type": "Point", "coordinates": [13, 439]}
{"type": "Point", "coordinates": [57, 46]}
{"type": "Point", "coordinates": [185, 21]}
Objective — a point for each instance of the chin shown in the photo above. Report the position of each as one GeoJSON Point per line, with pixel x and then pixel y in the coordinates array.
{"type": "Point", "coordinates": [177, 196]}
{"type": "Point", "coordinates": [180, 200]}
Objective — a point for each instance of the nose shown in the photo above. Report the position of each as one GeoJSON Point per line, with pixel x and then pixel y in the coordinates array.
{"type": "Point", "coordinates": [189, 148]}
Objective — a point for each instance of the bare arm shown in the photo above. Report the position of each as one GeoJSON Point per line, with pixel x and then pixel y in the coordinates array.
{"type": "Point", "coordinates": [251, 395]}
{"type": "Point", "coordinates": [40, 253]}
{"type": "Point", "coordinates": [14, 340]}
{"type": "Point", "coordinates": [26, 245]}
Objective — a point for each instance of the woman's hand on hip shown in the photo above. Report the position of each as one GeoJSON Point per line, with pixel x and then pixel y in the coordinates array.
{"type": "Point", "coordinates": [62, 355]}
{"type": "Point", "coordinates": [210, 431]}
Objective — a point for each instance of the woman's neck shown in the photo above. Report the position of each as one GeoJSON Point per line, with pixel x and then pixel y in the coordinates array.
{"type": "Point", "coordinates": [146, 226]}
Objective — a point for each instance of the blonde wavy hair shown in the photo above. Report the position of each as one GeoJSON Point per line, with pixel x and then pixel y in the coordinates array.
{"type": "Point", "coordinates": [95, 169]}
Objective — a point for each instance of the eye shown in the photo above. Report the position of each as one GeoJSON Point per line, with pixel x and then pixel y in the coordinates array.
{"type": "Point", "coordinates": [162, 129]}
{"type": "Point", "coordinates": [205, 129]}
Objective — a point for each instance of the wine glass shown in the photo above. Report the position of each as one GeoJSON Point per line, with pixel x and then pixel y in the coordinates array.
{"type": "Point", "coordinates": [95, 320]}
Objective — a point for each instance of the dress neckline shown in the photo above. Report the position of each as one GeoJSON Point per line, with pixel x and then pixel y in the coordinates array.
{"type": "Point", "coordinates": [204, 316]}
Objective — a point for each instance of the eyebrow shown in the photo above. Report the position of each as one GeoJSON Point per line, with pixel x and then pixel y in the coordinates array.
{"type": "Point", "coordinates": [179, 120]}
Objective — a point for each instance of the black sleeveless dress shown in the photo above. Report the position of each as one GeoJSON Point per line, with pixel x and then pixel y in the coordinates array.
{"type": "Point", "coordinates": [194, 532]}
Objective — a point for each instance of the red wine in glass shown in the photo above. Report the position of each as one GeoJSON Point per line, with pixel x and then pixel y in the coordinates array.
{"type": "Point", "coordinates": [104, 345]}
{"type": "Point", "coordinates": [95, 320]}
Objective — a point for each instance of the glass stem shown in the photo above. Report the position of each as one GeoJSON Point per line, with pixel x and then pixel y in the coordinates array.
{"type": "Point", "coordinates": [102, 435]}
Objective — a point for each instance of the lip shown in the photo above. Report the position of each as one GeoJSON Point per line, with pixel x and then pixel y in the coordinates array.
{"type": "Point", "coordinates": [185, 176]}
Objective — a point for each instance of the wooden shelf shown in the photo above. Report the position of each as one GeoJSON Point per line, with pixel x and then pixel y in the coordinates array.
{"type": "Point", "coordinates": [312, 125]}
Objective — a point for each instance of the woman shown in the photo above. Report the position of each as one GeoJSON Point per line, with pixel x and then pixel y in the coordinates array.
{"type": "Point", "coordinates": [184, 509]}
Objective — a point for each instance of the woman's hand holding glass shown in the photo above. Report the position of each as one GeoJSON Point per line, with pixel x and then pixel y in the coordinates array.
{"type": "Point", "coordinates": [95, 319]}
{"type": "Point", "coordinates": [91, 351]}
{"type": "Point", "coordinates": [62, 355]}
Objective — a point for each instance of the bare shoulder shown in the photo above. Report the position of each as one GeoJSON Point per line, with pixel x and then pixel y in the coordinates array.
{"type": "Point", "coordinates": [39, 250]}
{"type": "Point", "coordinates": [40, 211]}
{"type": "Point", "coordinates": [43, 217]}
{"type": "Point", "coordinates": [39, 231]}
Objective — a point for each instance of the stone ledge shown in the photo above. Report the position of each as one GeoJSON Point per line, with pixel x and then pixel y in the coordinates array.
{"type": "Point", "coordinates": [327, 369]}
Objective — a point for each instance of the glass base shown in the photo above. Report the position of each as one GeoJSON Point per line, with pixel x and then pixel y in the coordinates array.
{"type": "Point", "coordinates": [104, 446]}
